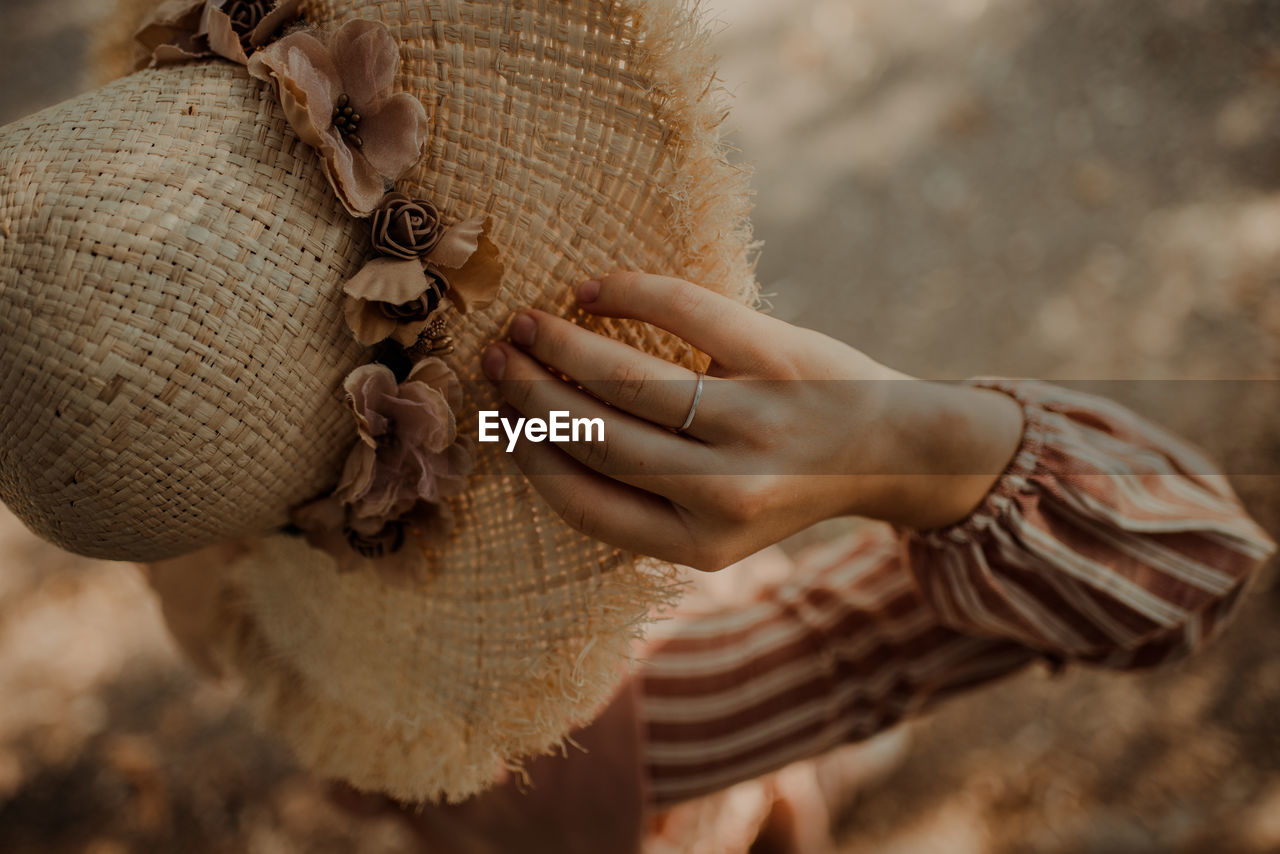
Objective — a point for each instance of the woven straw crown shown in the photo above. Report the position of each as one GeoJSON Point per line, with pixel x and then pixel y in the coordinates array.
{"type": "Point", "coordinates": [172, 349]}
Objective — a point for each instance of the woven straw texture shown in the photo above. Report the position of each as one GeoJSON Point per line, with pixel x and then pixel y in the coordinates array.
{"type": "Point", "coordinates": [172, 350]}
{"type": "Point", "coordinates": [168, 341]}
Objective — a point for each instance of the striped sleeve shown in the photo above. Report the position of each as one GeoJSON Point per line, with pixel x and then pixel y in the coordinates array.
{"type": "Point", "coordinates": [1106, 540]}
{"type": "Point", "coordinates": [841, 650]}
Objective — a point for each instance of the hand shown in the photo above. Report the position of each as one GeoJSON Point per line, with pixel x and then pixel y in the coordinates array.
{"type": "Point", "coordinates": [792, 427]}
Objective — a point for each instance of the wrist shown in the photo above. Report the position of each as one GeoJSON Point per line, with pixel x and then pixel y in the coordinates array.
{"type": "Point", "coordinates": [946, 445]}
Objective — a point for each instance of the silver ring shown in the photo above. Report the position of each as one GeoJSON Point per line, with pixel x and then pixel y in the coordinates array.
{"type": "Point", "coordinates": [693, 407]}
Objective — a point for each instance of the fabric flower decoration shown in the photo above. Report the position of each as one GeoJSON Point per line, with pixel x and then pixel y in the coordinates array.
{"type": "Point", "coordinates": [409, 449]}
{"type": "Point", "coordinates": [340, 100]}
{"type": "Point", "coordinates": [404, 228]}
{"type": "Point", "coordinates": [183, 30]}
{"type": "Point", "coordinates": [356, 544]}
{"type": "Point", "coordinates": [408, 461]}
{"type": "Point", "coordinates": [421, 263]}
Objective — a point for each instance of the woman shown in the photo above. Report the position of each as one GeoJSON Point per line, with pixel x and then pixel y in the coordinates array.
{"type": "Point", "coordinates": [1016, 521]}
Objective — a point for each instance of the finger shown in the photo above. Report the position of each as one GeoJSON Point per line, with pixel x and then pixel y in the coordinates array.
{"type": "Point", "coordinates": [733, 335]}
{"type": "Point", "coordinates": [633, 451]}
{"type": "Point", "coordinates": [636, 382]}
{"type": "Point", "coordinates": [602, 508]}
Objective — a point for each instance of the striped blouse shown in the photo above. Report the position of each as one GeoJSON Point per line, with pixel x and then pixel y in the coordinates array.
{"type": "Point", "coordinates": [1106, 540]}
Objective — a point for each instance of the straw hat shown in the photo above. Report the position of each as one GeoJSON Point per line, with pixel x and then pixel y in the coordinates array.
{"type": "Point", "coordinates": [173, 349]}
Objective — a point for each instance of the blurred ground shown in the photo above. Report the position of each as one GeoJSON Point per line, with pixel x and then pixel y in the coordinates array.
{"type": "Point", "coordinates": [1073, 189]}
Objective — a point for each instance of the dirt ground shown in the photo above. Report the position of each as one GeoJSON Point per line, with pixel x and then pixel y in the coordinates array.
{"type": "Point", "coordinates": [1082, 190]}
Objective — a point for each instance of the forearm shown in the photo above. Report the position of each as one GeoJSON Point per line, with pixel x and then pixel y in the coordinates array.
{"type": "Point", "coordinates": [1104, 540]}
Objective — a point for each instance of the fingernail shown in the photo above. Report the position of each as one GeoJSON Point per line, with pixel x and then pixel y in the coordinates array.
{"type": "Point", "coordinates": [494, 363]}
{"type": "Point", "coordinates": [523, 330]}
{"type": "Point", "coordinates": [588, 291]}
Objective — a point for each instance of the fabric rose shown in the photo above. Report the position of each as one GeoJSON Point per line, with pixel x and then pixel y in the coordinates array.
{"type": "Point", "coordinates": [245, 15]}
{"type": "Point", "coordinates": [183, 30]}
{"type": "Point", "coordinates": [408, 461]}
{"type": "Point", "coordinates": [404, 228]}
{"type": "Point", "coordinates": [395, 296]}
{"type": "Point", "coordinates": [421, 308]}
{"type": "Point", "coordinates": [339, 99]}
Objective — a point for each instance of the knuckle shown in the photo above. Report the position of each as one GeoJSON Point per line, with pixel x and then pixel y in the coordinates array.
{"type": "Point", "coordinates": [687, 298]}
{"type": "Point", "coordinates": [763, 428]}
{"type": "Point", "coordinates": [553, 338]}
{"type": "Point", "coordinates": [749, 499]}
{"type": "Point", "coordinates": [597, 455]}
{"type": "Point", "coordinates": [619, 285]}
{"type": "Point", "coordinates": [768, 363]}
{"type": "Point", "coordinates": [518, 392]}
{"type": "Point", "coordinates": [626, 384]}
{"type": "Point", "coordinates": [577, 515]}
{"type": "Point", "coordinates": [702, 493]}
{"type": "Point", "coordinates": [712, 558]}
{"type": "Point", "coordinates": [562, 346]}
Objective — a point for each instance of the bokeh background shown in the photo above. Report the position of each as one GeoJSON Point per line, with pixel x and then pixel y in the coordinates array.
{"type": "Point", "coordinates": [1071, 189]}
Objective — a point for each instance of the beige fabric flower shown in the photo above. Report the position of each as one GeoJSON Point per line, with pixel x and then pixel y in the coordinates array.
{"type": "Point", "coordinates": [339, 100]}
{"type": "Point", "coordinates": [183, 30]}
{"type": "Point", "coordinates": [377, 294]}
{"type": "Point", "coordinates": [408, 461]}
{"type": "Point", "coordinates": [396, 297]}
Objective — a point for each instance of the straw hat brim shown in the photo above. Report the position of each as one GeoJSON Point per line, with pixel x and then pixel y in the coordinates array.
{"type": "Point", "coordinates": [204, 399]}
